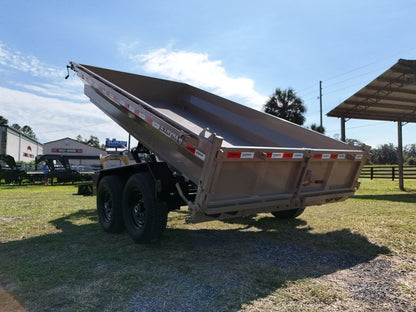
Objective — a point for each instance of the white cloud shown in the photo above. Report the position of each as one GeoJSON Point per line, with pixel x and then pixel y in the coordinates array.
{"type": "Point", "coordinates": [55, 108]}
{"type": "Point", "coordinates": [198, 70]}
{"type": "Point", "coordinates": [53, 119]}
{"type": "Point", "coordinates": [52, 106]}
{"type": "Point", "coordinates": [38, 77]}
{"type": "Point", "coordinates": [70, 89]}
{"type": "Point", "coordinates": [14, 59]}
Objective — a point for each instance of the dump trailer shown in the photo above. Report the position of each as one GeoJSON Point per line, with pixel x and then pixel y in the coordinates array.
{"type": "Point", "coordinates": [217, 157]}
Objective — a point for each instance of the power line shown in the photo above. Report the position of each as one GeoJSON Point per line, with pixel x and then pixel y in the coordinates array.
{"type": "Point", "coordinates": [355, 77]}
{"type": "Point", "coordinates": [369, 64]}
{"type": "Point", "coordinates": [362, 126]}
{"type": "Point", "coordinates": [350, 71]}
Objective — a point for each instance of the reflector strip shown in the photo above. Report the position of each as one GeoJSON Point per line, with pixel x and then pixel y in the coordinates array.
{"type": "Point", "coordinates": [196, 152]}
{"type": "Point", "coordinates": [233, 154]}
{"type": "Point", "coordinates": [156, 125]}
{"type": "Point", "coordinates": [245, 155]}
{"type": "Point", "coordinates": [200, 155]}
{"type": "Point", "coordinates": [329, 156]}
{"type": "Point", "coordinates": [285, 155]}
{"type": "Point", "coordinates": [190, 148]}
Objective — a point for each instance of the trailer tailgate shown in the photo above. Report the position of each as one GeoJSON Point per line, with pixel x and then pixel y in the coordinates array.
{"type": "Point", "coordinates": [245, 181]}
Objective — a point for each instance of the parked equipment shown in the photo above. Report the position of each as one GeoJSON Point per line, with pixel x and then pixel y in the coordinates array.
{"type": "Point", "coordinates": [9, 172]}
{"type": "Point", "coordinates": [219, 158]}
{"type": "Point", "coordinates": [60, 169]}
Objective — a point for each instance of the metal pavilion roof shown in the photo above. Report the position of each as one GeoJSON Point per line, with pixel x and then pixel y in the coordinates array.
{"type": "Point", "coordinates": [390, 97]}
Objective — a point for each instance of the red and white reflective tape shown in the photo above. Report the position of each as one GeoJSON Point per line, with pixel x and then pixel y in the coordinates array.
{"type": "Point", "coordinates": [284, 155]}
{"type": "Point", "coordinates": [195, 151]}
{"type": "Point", "coordinates": [357, 156]}
{"type": "Point", "coordinates": [244, 155]}
{"type": "Point", "coordinates": [279, 155]}
{"type": "Point", "coordinates": [139, 114]}
{"type": "Point", "coordinates": [328, 156]}
{"type": "Point", "coordinates": [337, 156]}
{"type": "Point", "coordinates": [294, 155]}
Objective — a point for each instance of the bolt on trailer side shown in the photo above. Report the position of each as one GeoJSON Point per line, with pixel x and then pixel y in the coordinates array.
{"type": "Point", "coordinates": [242, 161]}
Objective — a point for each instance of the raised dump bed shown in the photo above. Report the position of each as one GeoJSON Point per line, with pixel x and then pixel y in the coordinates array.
{"type": "Point", "coordinates": [220, 158]}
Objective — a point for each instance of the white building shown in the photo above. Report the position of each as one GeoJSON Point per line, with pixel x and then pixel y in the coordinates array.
{"type": "Point", "coordinates": [18, 145]}
{"type": "Point", "coordinates": [79, 153]}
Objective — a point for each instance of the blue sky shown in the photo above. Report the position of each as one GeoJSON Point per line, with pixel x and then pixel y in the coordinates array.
{"type": "Point", "coordinates": [242, 50]}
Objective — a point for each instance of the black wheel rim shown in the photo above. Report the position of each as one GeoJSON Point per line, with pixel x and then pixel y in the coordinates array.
{"type": "Point", "coordinates": [137, 210]}
{"type": "Point", "coordinates": [107, 206]}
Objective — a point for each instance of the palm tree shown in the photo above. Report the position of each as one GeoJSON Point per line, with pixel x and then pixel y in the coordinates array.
{"type": "Point", "coordinates": [285, 104]}
{"type": "Point", "coordinates": [317, 128]}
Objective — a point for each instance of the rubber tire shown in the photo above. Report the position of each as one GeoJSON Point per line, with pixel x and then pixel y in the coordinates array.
{"type": "Point", "coordinates": [288, 214]}
{"type": "Point", "coordinates": [144, 216]}
{"type": "Point", "coordinates": [109, 203]}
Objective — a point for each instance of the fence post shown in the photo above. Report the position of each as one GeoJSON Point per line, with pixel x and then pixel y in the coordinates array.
{"type": "Point", "coordinates": [392, 173]}
{"type": "Point", "coordinates": [371, 173]}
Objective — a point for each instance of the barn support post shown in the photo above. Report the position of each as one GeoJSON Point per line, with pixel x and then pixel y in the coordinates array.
{"type": "Point", "coordinates": [400, 154]}
{"type": "Point", "coordinates": [343, 129]}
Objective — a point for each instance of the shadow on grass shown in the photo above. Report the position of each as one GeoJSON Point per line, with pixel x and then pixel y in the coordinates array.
{"type": "Point", "coordinates": [403, 198]}
{"type": "Point", "coordinates": [84, 269]}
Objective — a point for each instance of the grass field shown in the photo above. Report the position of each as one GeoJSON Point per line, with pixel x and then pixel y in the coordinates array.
{"type": "Point", "coordinates": [356, 255]}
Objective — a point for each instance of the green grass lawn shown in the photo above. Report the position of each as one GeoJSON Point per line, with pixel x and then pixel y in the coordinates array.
{"type": "Point", "coordinates": [55, 257]}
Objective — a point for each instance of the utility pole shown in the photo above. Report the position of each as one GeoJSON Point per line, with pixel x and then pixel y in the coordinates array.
{"type": "Point", "coordinates": [320, 101]}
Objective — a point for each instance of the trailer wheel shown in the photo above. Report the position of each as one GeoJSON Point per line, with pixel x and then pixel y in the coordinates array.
{"type": "Point", "coordinates": [144, 216]}
{"type": "Point", "coordinates": [288, 214]}
{"type": "Point", "coordinates": [109, 204]}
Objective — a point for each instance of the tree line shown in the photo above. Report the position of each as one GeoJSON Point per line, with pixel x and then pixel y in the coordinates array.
{"type": "Point", "coordinates": [388, 154]}
{"type": "Point", "coordinates": [92, 141]}
{"type": "Point", "coordinates": [25, 129]}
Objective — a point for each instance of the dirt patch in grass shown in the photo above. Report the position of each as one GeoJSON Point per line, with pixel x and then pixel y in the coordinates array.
{"type": "Point", "coordinates": [8, 219]}
{"type": "Point", "coordinates": [375, 285]}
